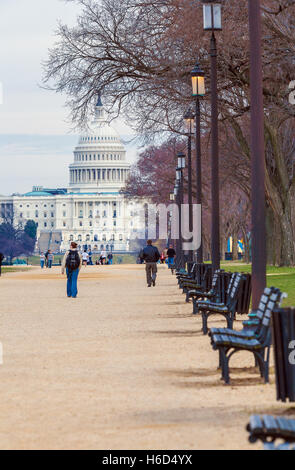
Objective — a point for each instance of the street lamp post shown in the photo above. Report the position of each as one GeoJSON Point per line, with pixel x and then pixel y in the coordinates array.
{"type": "Point", "coordinates": [198, 90]}
{"type": "Point", "coordinates": [212, 22]}
{"type": "Point", "coordinates": [257, 156]}
{"type": "Point", "coordinates": [172, 199]}
{"type": "Point", "coordinates": [189, 119]}
{"type": "Point", "coordinates": [179, 178]}
{"type": "Point", "coordinates": [176, 198]}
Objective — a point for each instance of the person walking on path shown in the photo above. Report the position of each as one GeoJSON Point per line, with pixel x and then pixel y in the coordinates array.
{"type": "Point", "coordinates": [163, 257]}
{"type": "Point", "coordinates": [46, 258]}
{"type": "Point", "coordinates": [50, 259]}
{"type": "Point", "coordinates": [171, 253]}
{"type": "Point", "coordinates": [103, 256]}
{"type": "Point", "coordinates": [1, 260]}
{"type": "Point", "coordinates": [42, 260]}
{"type": "Point", "coordinates": [151, 256]}
{"type": "Point", "coordinates": [110, 258]}
{"type": "Point", "coordinates": [72, 263]}
{"type": "Point", "coordinates": [90, 258]}
{"type": "Point", "coordinates": [85, 258]}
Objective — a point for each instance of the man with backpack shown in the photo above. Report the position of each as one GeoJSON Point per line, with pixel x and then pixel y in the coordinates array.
{"type": "Point", "coordinates": [151, 256]}
{"type": "Point", "coordinates": [72, 262]}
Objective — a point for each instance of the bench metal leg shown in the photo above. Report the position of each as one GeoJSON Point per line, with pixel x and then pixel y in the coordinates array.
{"type": "Point", "coordinates": [225, 366]}
{"type": "Point", "coordinates": [205, 323]}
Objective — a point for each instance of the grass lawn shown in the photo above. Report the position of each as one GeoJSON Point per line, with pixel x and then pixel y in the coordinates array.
{"type": "Point", "coordinates": [283, 278]}
{"type": "Point", "coordinates": [6, 269]}
{"type": "Point", "coordinates": [118, 259]}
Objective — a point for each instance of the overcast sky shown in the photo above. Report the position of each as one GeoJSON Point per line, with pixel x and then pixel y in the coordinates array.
{"type": "Point", "coordinates": [27, 112]}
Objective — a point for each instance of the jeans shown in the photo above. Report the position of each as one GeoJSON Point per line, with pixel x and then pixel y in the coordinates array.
{"type": "Point", "coordinates": [49, 263]}
{"type": "Point", "coordinates": [110, 261]}
{"type": "Point", "coordinates": [72, 276]}
{"type": "Point", "coordinates": [42, 262]}
{"type": "Point", "coordinates": [170, 262]}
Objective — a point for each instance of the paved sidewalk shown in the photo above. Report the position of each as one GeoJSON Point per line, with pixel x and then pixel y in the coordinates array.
{"type": "Point", "coordinates": [120, 367]}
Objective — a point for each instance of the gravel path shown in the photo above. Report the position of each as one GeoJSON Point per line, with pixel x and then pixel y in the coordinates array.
{"type": "Point", "coordinates": [120, 367]}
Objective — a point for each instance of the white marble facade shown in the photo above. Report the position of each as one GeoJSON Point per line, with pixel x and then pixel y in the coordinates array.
{"type": "Point", "coordinates": [91, 211]}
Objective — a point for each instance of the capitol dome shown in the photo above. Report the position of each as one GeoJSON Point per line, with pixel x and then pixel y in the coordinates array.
{"type": "Point", "coordinates": [99, 158]}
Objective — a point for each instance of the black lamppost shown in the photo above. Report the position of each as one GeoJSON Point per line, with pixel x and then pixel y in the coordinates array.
{"type": "Point", "coordinates": [179, 178]}
{"type": "Point", "coordinates": [198, 90]}
{"type": "Point", "coordinates": [176, 198]}
{"type": "Point", "coordinates": [189, 119]}
{"type": "Point", "coordinates": [257, 156]}
{"type": "Point", "coordinates": [172, 199]}
{"type": "Point", "coordinates": [212, 22]}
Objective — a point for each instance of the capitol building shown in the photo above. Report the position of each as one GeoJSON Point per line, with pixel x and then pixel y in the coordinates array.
{"type": "Point", "coordinates": [92, 211]}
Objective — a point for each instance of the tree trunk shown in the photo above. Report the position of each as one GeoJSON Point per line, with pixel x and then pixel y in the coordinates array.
{"type": "Point", "coordinates": [235, 245]}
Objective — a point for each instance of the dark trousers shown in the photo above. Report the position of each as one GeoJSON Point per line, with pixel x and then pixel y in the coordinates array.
{"type": "Point", "coordinates": [151, 272]}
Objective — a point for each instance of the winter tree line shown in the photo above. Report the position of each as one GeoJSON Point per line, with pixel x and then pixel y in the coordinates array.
{"type": "Point", "coordinates": [139, 54]}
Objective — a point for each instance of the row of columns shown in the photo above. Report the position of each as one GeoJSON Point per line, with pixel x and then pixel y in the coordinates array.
{"type": "Point", "coordinates": [86, 210]}
{"type": "Point", "coordinates": [90, 175]}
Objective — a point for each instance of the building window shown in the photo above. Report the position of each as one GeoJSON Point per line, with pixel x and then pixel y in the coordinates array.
{"type": "Point", "coordinates": [64, 224]}
{"type": "Point", "coordinates": [52, 214]}
{"type": "Point", "coordinates": [45, 224]}
{"type": "Point", "coordinates": [71, 238]}
{"type": "Point", "coordinates": [64, 214]}
{"type": "Point", "coordinates": [45, 215]}
{"type": "Point", "coordinates": [36, 214]}
{"type": "Point", "coordinates": [81, 224]}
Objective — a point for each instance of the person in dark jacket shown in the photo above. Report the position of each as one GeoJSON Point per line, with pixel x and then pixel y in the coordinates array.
{"type": "Point", "coordinates": [151, 256]}
{"type": "Point", "coordinates": [171, 255]}
{"type": "Point", "coordinates": [1, 259]}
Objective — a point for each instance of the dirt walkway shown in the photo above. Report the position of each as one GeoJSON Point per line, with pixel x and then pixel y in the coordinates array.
{"type": "Point", "coordinates": [120, 367]}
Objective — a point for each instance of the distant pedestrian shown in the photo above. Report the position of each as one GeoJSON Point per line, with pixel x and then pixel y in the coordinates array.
{"type": "Point", "coordinates": [72, 262]}
{"type": "Point", "coordinates": [46, 258]}
{"type": "Point", "coordinates": [163, 257]}
{"type": "Point", "coordinates": [151, 256]}
{"type": "Point", "coordinates": [171, 253]}
{"type": "Point", "coordinates": [103, 257]}
{"type": "Point", "coordinates": [90, 258]}
{"type": "Point", "coordinates": [110, 258]}
{"type": "Point", "coordinates": [85, 258]}
{"type": "Point", "coordinates": [50, 259]}
{"type": "Point", "coordinates": [1, 261]}
{"type": "Point", "coordinates": [42, 260]}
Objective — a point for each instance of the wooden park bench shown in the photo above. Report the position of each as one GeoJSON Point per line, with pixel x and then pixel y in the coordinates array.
{"type": "Point", "coordinates": [257, 342]}
{"type": "Point", "coordinates": [201, 281]}
{"type": "Point", "coordinates": [183, 275]}
{"type": "Point", "coordinates": [228, 309]}
{"type": "Point", "coordinates": [283, 327]}
{"type": "Point", "coordinates": [253, 325]}
{"type": "Point", "coordinates": [269, 428]}
{"type": "Point", "coordinates": [217, 292]}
